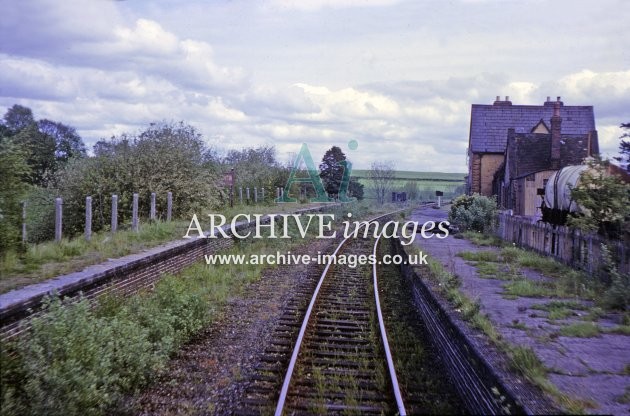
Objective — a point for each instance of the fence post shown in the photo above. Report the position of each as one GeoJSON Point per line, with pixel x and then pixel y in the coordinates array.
{"type": "Point", "coordinates": [134, 213]}
{"type": "Point", "coordinates": [277, 192]}
{"type": "Point", "coordinates": [255, 195]}
{"type": "Point", "coordinates": [88, 218]}
{"type": "Point", "coordinates": [152, 211]}
{"type": "Point", "coordinates": [240, 194]}
{"type": "Point", "coordinates": [263, 195]}
{"type": "Point", "coordinates": [169, 205]}
{"type": "Point", "coordinates": [248, 195]}
{"type": "Point", "coordinates": [58, 218]}
{"type": "Point", "coordinates": [23, 222]}
{"type": "Point", "coordinates": [114, 213]}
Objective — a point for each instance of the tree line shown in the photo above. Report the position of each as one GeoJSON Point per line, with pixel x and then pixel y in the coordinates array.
{"type": "Point", "coordinates": [44, 159]}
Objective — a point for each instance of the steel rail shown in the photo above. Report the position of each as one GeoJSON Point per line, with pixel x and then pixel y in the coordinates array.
{"type": "Point", "coordinates": [388, 354]}
{"type": "Point", "coordinates": [296, 349]}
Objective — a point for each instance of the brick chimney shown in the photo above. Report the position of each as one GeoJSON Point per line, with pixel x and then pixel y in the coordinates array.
{"type": "Point", "coordinates": [556, 131]}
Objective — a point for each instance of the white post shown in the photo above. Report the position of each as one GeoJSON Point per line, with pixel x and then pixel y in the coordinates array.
{"type": "Point", "coordinates": [255, 195]}
{"type": "Point", "coordinates": [248, 194]}
{"type": "Point", "coordinates": [88, 218]}
{"type": "Point", "coordinates": [114, 213]}
{"type": "Point", "coordinates": [169, 205]}
{"type": "Point", "coordinates": [24, 222]}
{"type": "Point", "coordinates": [263, 195]}
{"type": "Point", "coordinates": [134, 213]}
{"type": "Point", "coordinates": [58, 218]}
{"type": "Point", "coordinates": [152, 212]}
{"type": "Point", "coordinates": [240, 194]}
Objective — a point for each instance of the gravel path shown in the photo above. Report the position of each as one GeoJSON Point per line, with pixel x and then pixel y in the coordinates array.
{"type": "Point", "coordinates": [593, 369]}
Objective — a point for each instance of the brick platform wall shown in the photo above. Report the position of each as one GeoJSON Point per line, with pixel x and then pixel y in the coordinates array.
{"type": "Point", "coordinates": [125, 277]}
{"type": "Point", "coordinates": [477, 370]}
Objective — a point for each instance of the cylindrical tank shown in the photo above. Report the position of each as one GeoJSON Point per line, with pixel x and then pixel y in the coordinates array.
{"type": "Point", "coordinates": [558, 188]}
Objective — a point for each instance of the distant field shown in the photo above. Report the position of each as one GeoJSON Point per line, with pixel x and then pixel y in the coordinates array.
{"type": "Point", "coordinates": [409, 175]}
{"type": "Point", "coordinates": [452, 184]}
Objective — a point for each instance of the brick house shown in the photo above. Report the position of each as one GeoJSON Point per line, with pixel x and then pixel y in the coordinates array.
{"type": "Point", "coordinates": [519, 146]}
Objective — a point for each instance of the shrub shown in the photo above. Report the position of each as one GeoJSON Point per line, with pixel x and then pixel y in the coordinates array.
{"type": "Point", "coordinates": [77, 363]}
{"type": "Point", "coordinates": [473, 212]}
{"type": "Point", "coordinates": [617, 295]}
{"type": "Point", "coordinates": [78, 360]}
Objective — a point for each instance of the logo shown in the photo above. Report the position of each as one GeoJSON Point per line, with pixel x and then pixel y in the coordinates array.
{"type": "Point", "coordinates": [314, 179]}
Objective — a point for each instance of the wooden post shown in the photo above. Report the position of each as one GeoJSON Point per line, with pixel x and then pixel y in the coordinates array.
{"type": "Point", "coordinates": [134, 213]}
{"type": "Point", "coordinates": [248, 194]}
{"type": "Point", "coordinates": [152, 211]}
{"type": "Point", "coordinates": [88, 218]}
{"type": "Point", "coordinates": [255, 195]}
{"type": "Point", "coordinates": [263, 195]}
{"type": "Point", "coordinates": [240, 194]}
{"type": "Point", "coordinates": [58, 218]}
{"type": "Point", "coordinates": [23, 222]}
{"type": "Point", "coordinates": [169, 205]}
{"type": "Point", "coordinates": [114, 213]}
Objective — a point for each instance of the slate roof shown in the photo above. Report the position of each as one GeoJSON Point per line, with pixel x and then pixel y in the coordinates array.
{"type": "Point", "coordinates": [489, 123]}
{"type": "Point", "coordinates": [531, 152]}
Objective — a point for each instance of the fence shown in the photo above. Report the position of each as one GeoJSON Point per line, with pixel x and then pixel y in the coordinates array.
{"type": "Point", "coordinates": [568, 245]}
{"type": "Point", "coordinates": [246, 195]}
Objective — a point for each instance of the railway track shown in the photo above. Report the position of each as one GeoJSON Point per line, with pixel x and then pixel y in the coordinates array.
{"type": "Point", "coordinates": [333, 358]}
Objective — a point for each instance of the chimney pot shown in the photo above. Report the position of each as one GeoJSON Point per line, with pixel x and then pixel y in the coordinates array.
{"type": "Point", "coordinates": [558, 98]}
{"type": "Point", "coordinates": [548, 98]}
{"type": "Point", "coordinates": [507, 98]}
{"type": "Point", "coordinates": [498, 98]}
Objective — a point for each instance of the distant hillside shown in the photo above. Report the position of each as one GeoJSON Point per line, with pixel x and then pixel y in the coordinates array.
{"type": "Point", "coordinates": [408, 175]}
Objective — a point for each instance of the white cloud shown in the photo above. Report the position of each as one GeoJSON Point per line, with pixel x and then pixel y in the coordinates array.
{"type": "Point", "coordinates": [400, 80]}
{"type": "Point", "coordinates": [312, 5]}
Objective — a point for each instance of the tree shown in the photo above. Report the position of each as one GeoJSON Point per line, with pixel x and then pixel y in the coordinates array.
{"type": "Point", "coordinates": [624, 146]}
{"type": "Point", "coordinates": [604, 200]}
{"type": "Point", "coordinates": [18, 117]}
{"type": "Point", "coordinates": [40, 154]}
{"type": "Point", "coordinates": [166, 157]}
{"type": "Point", "coordinates": [13, 170]}
{"type": "Point", "coordinates": [49, 144]}
{"type": "Point", "coordinates": [382, 175]}
{"type": "Point", "coordinates": [255, 167]}
{"type": "Point", "coordinates": [355, 188]}
{"type": "Point", "coordinates": [68, 143]}
{"type": "Point", "coordinates": [331, 171]}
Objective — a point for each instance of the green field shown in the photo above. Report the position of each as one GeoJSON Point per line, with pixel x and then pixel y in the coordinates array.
{"type": "Point", "coordinates": [419, 185]}
{"type": "Point", "coordinates": [408, 175]}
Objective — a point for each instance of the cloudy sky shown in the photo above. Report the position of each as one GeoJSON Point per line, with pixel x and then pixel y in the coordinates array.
{"type": "Point", "coordinates": [397, 76]}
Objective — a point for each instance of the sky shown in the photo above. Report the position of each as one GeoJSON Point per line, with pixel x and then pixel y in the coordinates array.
{"type": "Point", "coordinates": [399, 77]}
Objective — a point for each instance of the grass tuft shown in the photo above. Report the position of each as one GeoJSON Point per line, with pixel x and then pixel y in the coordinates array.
{"type": "Point", "coordinates": [581, 330]}
{"type": "Point", "coordinates": [489, 256]}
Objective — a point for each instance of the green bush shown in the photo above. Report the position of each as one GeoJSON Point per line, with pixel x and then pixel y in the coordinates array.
{"type": "Point", "coordinates": [78, 360]}
{"type": "Point", "coordinates": [473, 212]}
{"type": "Point", "coordinates": [617, 295]}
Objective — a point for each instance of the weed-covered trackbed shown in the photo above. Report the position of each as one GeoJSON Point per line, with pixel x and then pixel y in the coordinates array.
{"type": "Point", "coordinates": [340, 361]}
